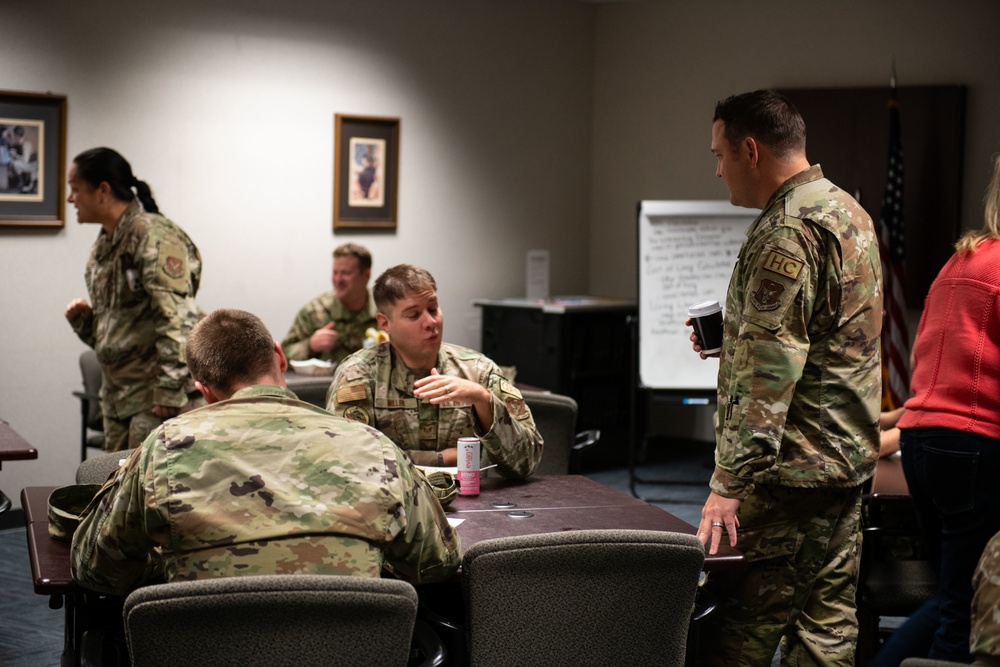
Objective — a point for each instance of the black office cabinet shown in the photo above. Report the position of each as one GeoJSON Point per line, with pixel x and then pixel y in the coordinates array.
{"type": "Point", "coordinates": [578, 346]}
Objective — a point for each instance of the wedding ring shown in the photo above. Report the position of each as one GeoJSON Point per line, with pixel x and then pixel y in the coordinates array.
{"type": "Point", "coordinates": [717, 524]}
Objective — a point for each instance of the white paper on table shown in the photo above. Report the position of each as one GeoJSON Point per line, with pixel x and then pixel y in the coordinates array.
{"type": "Point", "coordinates": [453, 522]}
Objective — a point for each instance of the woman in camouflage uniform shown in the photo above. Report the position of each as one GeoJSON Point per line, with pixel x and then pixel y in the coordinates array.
{"type": "Point", "coordinates": [142, 277]}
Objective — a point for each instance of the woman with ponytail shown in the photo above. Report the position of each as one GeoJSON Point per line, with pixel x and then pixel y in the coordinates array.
{"type": "Point", "coordinates": [142, 277]}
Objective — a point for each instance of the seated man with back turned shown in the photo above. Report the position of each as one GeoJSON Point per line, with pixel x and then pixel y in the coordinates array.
{"type": "Point", "coordinates": [333, 325]}
{"type": "Point", "coordinates": [425, 394]}
{"type": "Point", "coordinates": [258, 482]}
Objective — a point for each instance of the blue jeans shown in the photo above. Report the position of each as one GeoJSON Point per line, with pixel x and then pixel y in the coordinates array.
{"type": "Point", "coordinates": [952, 477]}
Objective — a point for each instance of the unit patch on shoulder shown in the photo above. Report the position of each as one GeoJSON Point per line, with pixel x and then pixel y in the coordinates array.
{"type": "Point", "coordinates": [358, 414]}
{"type": "Point", "coordinates": [174, 266]}
{"type": "Point", "coordinates": [767, 296]}
{"type": "Point", "coordinates": [783, 265]}
{"type": "Point", "coordinates": [351, 392]}
{"type": "Point", "coordinates": [516, 408]}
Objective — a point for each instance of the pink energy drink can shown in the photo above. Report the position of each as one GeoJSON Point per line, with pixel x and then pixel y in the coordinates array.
{"type": "Point", "coordinates": [468, 466]}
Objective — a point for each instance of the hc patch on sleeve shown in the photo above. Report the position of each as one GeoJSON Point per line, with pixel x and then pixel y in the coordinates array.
{"type": "Point", "coordinates": [783, 265]}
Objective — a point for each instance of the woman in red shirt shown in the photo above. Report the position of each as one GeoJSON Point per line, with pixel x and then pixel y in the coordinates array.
{"type": "Point", "coordinates": [950, 435]}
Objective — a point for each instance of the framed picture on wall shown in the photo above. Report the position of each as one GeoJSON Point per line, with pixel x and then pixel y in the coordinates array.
{"type": "Point", "coordinates": [32, 158]}
{"type": "Point", "coordinates": [365, 172]}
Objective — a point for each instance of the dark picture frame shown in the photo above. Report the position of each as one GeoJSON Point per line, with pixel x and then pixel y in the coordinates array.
{"type": "Point", "coordinates": [365, 172]}
{"type": "Point", "coordinates": [32, 159]}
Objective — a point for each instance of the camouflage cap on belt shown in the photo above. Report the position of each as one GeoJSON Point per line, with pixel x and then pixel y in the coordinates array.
{"type": "Point", "coordinates": [65, 506]}
{"type": "Point", "coordinates": [444, 485]}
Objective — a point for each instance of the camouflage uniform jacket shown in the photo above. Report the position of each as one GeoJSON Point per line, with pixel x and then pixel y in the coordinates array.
{"type": "Point", "coordinates": [319, 312]}
{"type": "Point", "coordinates": [799, 373]}
{"type": "Point", "coordinates": [142, 281]}
{"type": "Point", "coordinates": [372, 386]}
{"type": "Point", "coordinates": [984, 642]}
{"type": "Point", "coordinates": [262, 484]}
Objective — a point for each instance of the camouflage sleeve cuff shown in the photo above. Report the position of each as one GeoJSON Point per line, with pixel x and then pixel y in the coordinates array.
{"type": "Point", "coordinates": [728, 485]}
{"type": "Point", "coordinates": [174, 398]}
{"type": "Point", "coordinates": [297, 351]}
{"type": "Point", "coordinates": [422, 457]}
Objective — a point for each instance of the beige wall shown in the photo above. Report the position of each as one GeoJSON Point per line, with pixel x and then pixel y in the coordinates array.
{"type": "Point", "coordinates": [226, 109]}
{"type": "Point", "coordinates": [525, 124]}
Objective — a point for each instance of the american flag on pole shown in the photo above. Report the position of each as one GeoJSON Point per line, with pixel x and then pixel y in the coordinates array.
{"type": "Point", "coordinates": [891, 245]}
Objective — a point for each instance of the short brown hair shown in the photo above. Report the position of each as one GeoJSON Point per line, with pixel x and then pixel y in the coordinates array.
{"type": "Point", "coordinates": [359, 252]}
{"type": "Point", "coordinates": [228, 348]}
{"type": "Point", "coordinates": [396, 282]}
{"type": "Point", "coordinates": [765, 115]}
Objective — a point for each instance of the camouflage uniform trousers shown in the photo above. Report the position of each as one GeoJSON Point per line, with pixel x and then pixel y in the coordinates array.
{"type": "Point", "coordinates": [802, 548]}
{"type": "Point", "coordinates": [130, 432]}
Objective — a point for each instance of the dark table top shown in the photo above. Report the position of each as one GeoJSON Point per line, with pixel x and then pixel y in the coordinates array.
{"type": "Point", "coordinates": [12, 446]}
{"type": "Point", "coordinates": [889, 482]}
{"type": "Point", "coordinates": [556, 503]}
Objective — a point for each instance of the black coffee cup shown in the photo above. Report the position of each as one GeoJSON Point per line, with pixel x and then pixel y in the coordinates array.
{"type": "Point", "coordinates": [706, 318]}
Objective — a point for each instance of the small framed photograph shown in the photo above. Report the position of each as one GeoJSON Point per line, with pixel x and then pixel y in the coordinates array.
{"type": "Point", "coordinates": [32, 158]}
{"type": "Point", "coordinates": [365, 172]}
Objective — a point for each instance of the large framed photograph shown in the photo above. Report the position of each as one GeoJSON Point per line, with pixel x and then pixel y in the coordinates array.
{"type": "Point", "coordinates": [366, 172]}
{"type": "Point", "coordinates": [32, 158]}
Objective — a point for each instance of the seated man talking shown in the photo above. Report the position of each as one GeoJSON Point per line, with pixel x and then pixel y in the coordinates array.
{"type": "Point", "coordinates": [425, 394]}
{"type": "Point", "coordinates": [258, 482]}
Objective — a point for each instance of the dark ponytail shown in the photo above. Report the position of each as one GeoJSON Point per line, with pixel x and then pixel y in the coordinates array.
{"type": "Point", "coordinates": [99, 165]}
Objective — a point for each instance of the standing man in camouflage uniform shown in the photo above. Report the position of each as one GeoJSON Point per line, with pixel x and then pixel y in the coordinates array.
{"type": "Point", "coordinates": [799, 385]}
{"type": "Point", "coordinates": [425, 394]}
{"type": "Point", "coordinates": [333, 325]}
{"type": "Point", "coordinates": [142, 276]}
{"type": "Point", "coordinates": [259, 482]}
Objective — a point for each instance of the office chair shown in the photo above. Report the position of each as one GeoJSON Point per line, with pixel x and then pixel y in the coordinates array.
{"type": "Point", "coordinates": [91, 421]}
{"type": "Point", "coordinates": [293, 620]}
{"type": "Point", "coordinates": [555, 419]}
{"type": "Point", "coordinates": [588, 597]}
{"type": "Point", "coordinates": [889, 584]}
{"type": "Point", "coordinates": [97, 469]}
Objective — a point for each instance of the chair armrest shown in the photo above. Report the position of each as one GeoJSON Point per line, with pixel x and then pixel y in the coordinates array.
{"type": "Point", "coordinates": [427, 646]}
{"type": "Point", "coordinates": [586, 439]}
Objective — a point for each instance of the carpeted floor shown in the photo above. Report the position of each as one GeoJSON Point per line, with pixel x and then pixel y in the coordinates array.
{"type": "Point", "coordinates": [31, 633]}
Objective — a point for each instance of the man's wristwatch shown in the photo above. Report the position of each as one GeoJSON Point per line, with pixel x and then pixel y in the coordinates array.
{"type": "Point", "coordinates": [440, 459]}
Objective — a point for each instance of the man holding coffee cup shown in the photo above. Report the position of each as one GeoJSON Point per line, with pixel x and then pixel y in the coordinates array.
{"type": "Point", "coordinates": [798, 390]}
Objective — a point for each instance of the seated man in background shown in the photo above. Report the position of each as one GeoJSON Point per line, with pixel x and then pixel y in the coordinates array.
{"type": "Point", "coordinates": [425, 394]}
{"type": "Point", "coordinates": [258, 482]}
{"type": "Point", "coordinates": [333, 325]}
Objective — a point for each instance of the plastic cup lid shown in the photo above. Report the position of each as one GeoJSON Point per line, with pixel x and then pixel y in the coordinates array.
{"type": "Point", "coordinates": [704, 308]}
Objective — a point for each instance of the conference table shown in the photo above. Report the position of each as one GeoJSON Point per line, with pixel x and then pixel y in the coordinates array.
{"type": "Point", "coordinates": [12, 448]}
{"type": "Point", "coordinates": [502, 509]}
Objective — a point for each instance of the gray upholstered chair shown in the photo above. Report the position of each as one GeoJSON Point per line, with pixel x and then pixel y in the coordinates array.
{"type": "Point", "coordinates": [97, 469]}
{"type": "Point", "coordinates": [294, 620]}
{"type": "Point", "coordinates": [91, 421]}
{"type": "Point", "coordinates": [589, 597]}
{"type": "Point", "coordinates": [555, 418]}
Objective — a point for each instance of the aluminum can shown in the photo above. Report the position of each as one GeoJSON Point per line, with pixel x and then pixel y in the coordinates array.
{"type": "Point", "coordinates": [468, 466]}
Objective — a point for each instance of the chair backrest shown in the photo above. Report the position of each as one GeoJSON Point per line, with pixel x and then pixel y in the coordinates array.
{"type": "Point", "coordinates": [93, 377]}
{"type": "Point", "coordinates": [589, 597]}
{"type": "Point", "coordinates": [555, 418]}
{"type": "Point", "coordinates": [272, 620]}
{"type": "Point", "coordinates": [97, 469]}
